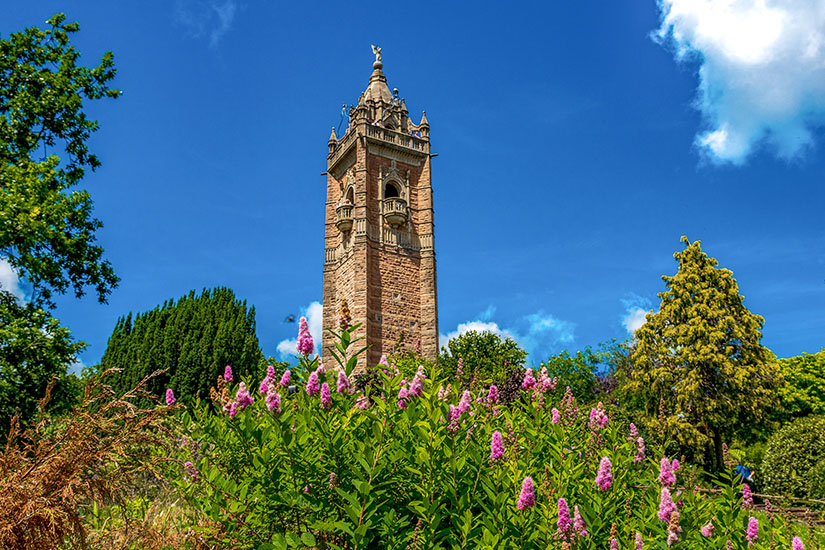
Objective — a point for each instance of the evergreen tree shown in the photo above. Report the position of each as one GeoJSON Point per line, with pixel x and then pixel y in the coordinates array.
{"type": "Point", "coordinates": [700, 357]}
{"type": "Point", "coordinates": [195, 338]}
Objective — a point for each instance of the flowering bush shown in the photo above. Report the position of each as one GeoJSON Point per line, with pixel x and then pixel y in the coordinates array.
{"type": "Point", "coordinates": [410, 464]}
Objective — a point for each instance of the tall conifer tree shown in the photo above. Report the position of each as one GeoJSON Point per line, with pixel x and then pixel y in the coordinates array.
{"type": "Point", "coordinates": [700, 356]}
{"type": "Point", "coordinates": [194, 338]}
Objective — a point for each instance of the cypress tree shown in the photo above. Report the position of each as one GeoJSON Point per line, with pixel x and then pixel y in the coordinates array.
{"type": "Point", "coordinates": [195, 338]}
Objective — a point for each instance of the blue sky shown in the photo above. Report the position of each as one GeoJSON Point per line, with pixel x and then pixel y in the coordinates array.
{"type": "Point", "coordinates": [577, 142]}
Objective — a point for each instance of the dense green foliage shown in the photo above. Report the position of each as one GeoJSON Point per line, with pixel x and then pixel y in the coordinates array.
{"type": "Point", "coordinates": [804, 390]}
{"type": "Point", "coordinates": [195, 338]}
{"type": "Point", "coordinates": [485, 355]}
{"type": "Point", "coordinates": [34, 349]}
{"type": "Point", "coordinates": [405, 470]}
{"type": "Point", "coordinates": [699, 358]}
{"type": "Point", "coordinates": [794, 461]}
{"type": "Point", "coordinates": [584, 373]}
{"type": "Point", "coordinates": [47, 231]}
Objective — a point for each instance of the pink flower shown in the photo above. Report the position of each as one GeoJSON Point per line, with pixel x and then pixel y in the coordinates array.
{"type": "Point", "coordinates": [639, 541]}
{"type": "Point", "coordinates": [465, 402]}
{"type": "Point", "coordinates": [666, 477]}
{"type": "Point", "coordinates": [634, 433]}
{"type": "Point", "coordinates": [614, 544]}
{"type": "Point", "coordinates": [313, 386]}
{"type": "Point", "coordinates": [598, 418]}
{"type": "Point", "coordinates": [326, 398]}
{"type": "Point", "coordinates": [674, 465]}
{"type": "Point", "coordinates": [343, 382]}
{"type": "Point", "coordinates": [604, 478]}
{"type": "Point", "coordinates": [640, 450]}
{"type": "Point", "coordinates": [564, 521]}
{"type": "Point", "coordinates": [333, 481]}
{"type": "Point", "coordinates": [492, 395]}
{"type": "Point", "coordinates": [285, 378]}
{"type": "Point", "coordinates": [227, 374]}
{"type": "Point", "coordinates": [666, 506]}
{"type": "Point", "coordinates": [796, 544]}
{"type": "Point", "coordinates": [170, 397]}
{"type": "Point", "coordinates": [527, 498]}
{"type": "Point", "coordinates": [578, 523]}
{"type": "Point", "coordinates": [442, 393]}
{"type": "Point", "coordinates": [752, 533]}
{"type": "Point", "coordinates": [529, 381]}
{"type": "Point", "coordinates": [190, 471]}
{"type": "Point", "coordinates": [459, 370]}
{"type": "Point", "coordinates": [233, 409]}
{"type": "Point", "coordinates": [273, 400]}
{"type": "Point", "coordinates": [708, 529]}
{"type": "Point", "coordinates": [383, 361]}
{"type": "Point", "coordinates": [305, 343]}
{"type": "Point", "coordinates": [556, 416]}
{"type": "Point", "coordinates": [402, 404]}
{"type": "Point", "coordinates": [362, 403]}
{"type": "Point", "coordinates": [747, 496]}
{"type": "Point", "coordinates": [416, 386]}
{"type": "Point", "coordinates": [242, 398]}
{"type": "Point", "coordinates": [568, 404]}
{"type": "Point", "coordinates": [496, 447]}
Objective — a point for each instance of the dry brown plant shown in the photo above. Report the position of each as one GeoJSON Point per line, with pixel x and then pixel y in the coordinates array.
{"type": "Point", "coordinates": [99, 453]}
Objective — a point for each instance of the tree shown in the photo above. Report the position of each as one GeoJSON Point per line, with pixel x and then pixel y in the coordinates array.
{"type": "Point", "coordinates": [33, 349]}
{"type": "Point", "coordinates": [700, 357]}
{"type": "Point", "coordinates": [195, 338]}
{"type": "Point", "coordinates": [804, 390]}
{"type": "Point", "coordinates": [484, 354]}
{"type": "Point", "coordinates": [47, 230]}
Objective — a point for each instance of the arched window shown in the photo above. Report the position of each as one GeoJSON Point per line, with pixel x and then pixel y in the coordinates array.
{"type": "Point", "coordinates": [350, 197]}
{"type": "Point", "coordinates": [390, 190]}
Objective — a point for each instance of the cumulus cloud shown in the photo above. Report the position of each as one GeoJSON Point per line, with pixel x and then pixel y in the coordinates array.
{"type": "Point", "coordinates": [203, 18]}
{"type": "Point", "coordinates": [762, 73]}
{"type": "Point", "coordinates": [540, 334]}
{"type": "Point", "coordinates": [314, 313]}
{"type": "Point", "coordinates": [9, 281]}
{"type": "Point", "coordinates": [636, 307]}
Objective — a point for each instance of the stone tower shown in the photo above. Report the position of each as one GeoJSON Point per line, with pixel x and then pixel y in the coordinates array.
{"type": "Point", "coordinates": [379, 225]}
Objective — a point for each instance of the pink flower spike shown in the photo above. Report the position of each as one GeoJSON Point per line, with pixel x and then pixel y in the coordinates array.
{"type": "Point", "coordinates": [604, 478]}
{"type": "Point", "coordinates": [417, 386]}
{"type": "Point", "coordinates": [527, 497]}
{"type": "Point", "coordinates": [305, 344]}
{"type": "Point", "coordinates": [326, 397]}
{"type": "Point", "coordinates": [564, 522]}
{"type": "Point", "coordinates": [639, 541]}
{"type": "Point", "coordinates": [674, 465]}
{"type": "Point", "coordinates": [708, 529]}
{"type": "Point", "coordinates": [666, 506]}
{"type": "Point", "coordinates": [666, 477]}
{"type": "Point", "coordinates": [496, 447]}
{"type": "Point", "coordinates": [313, 386]}
{"type": "Point", "coordinates": [796, 544]}
{"type": "Point", "coordinates": [578, 523]}
{"type": "Point", "coordinates": [242, 398]}
{"type": "Point", "coordinates": [634, 433]}
{"type": "Point", "coordinates": [747, 496]}
{"type": "Point", "coordinates": [640, 450]}
{"type": "Point", "coordinates": [285, 378]}
{"type": "Point", "coordinates": [529, 381]}
{"type": "Point", "coordinates": [752, 533]}
{"type": "Point", "coordinates": [273, 400]}
{"type": "Point", "coordinates": [170, 397]}
{"type": "Point", "coordinates": [343, 383]}
{"type": "Point", "coordinates": [614, 544]}
{"type": "Point", "coordinates": [556, 416]}
{"type": "Point", "coordinates": [227, 374]}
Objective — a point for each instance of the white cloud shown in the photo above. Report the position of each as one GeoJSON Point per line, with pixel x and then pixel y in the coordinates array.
{"type": "Point", "coordinates": [203, 18]}
{"type": "Point", "coordinates": [539, 334]}
{"type": "Point", "coordinates": [77, 366]}
{"type": "Point", "coordinates": [9, 281]}
{"type": "Point", "coordinates": [634, 319]}
{"type": "Point", "coordinates": [314, 313]}
{"type": "Point", "coordinates": [762, 74]}
{"type": "Point", "coordinates": [636, 307]}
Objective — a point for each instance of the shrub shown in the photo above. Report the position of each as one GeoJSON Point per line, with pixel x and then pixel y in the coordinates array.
{"type": "Point", "coordinates": [792, 457]}
{"type": "Point", "coordinates": [408, 466]}
{"type": "Point", "coordinates": [485, 356]}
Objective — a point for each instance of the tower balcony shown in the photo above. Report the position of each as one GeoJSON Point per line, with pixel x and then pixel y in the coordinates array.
{"type": "Point", "coordinates": [395, 211]}
{"type": "Point", "coordinates": [343, 215]}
